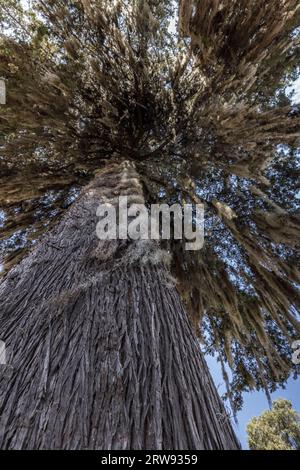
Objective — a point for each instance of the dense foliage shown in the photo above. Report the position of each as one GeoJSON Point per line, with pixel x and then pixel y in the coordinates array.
{"type": "Point", "coordinates": [276, 429]}
{"type": "Point", "coordinates": [200, 104]}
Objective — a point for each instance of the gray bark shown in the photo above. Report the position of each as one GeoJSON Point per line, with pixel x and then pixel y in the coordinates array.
{"type": "Point", "coordinates": [101, 354]}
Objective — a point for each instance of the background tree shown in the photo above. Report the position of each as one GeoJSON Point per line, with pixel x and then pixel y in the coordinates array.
{"type": "Point", "coordinates": [201, 110]}
{"type": "Point", "coordinates": [276, 429]}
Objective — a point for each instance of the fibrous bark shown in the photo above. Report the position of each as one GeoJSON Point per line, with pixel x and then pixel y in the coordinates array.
{"type": "Point", "coordinates": [101, 354]}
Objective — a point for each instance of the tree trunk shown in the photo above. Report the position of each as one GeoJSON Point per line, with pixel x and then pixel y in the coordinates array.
{"type": "Point", "coordinates": [100, 352]}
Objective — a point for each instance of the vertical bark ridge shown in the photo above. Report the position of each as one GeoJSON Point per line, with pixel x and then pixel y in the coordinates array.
{"type": "Point", "coordinates": [101, 354]}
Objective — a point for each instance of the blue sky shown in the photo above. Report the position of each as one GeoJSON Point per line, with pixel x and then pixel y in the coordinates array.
{"type": "Point", "coordinates": [296, 88]}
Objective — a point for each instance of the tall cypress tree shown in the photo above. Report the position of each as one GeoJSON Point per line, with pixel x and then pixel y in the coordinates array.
{"type": "Point", "coordinates": [106, 98]}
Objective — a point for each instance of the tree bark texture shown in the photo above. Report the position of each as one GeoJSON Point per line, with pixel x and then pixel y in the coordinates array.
{"type": "Point", "coordinates": [100, 352]}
